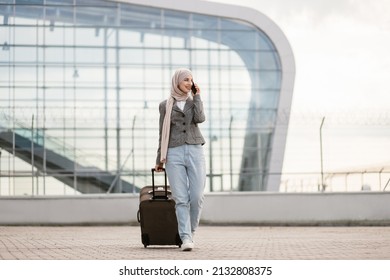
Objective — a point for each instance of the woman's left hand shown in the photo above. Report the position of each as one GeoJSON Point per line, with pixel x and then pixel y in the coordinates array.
{"type": "Point", "coordinates": [197, 89]}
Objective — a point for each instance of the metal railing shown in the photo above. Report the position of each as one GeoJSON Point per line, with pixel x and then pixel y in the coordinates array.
{"type": "Point", "coordinates": [343, 181]}
{"type": "Point", "coordinates": [19, 183]}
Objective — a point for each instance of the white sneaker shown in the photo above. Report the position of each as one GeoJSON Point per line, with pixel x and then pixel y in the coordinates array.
{"type": "Point", "coordinates": [187, 246]}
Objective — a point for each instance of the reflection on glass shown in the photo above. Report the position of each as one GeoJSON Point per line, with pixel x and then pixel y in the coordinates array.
{"type": "Point", "coordinates": [94, 74]}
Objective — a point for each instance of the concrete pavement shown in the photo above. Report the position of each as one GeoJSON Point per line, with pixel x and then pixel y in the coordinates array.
{"type": "Point", "coordinates": [212, 242]}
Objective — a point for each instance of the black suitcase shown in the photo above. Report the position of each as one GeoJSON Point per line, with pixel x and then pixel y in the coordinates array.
{"type": "Point", "coordinates": [157, 216]}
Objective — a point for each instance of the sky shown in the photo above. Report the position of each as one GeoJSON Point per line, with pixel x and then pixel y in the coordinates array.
{"type": "Point", "coordinates": [340, 48]}
{"type": "Point", "coordinates": [342, 74]}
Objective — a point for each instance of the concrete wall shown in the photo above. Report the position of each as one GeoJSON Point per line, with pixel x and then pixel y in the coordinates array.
{"type": "Point", "coordinates": [363, 208]}
{"type": "Point", "coordinates": [360, 208]}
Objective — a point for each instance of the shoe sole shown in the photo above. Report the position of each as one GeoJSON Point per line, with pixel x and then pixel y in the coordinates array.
{"type": "Point", "coordinates": [187, 248]}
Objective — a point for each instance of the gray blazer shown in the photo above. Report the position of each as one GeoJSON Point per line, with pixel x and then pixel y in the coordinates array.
{"type": "Point", "coordinates": [184, 124]}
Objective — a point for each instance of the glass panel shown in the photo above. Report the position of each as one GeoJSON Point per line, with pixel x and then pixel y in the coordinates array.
{"type": "Point", "coordinates": [89, 37]}
{"type": "Point", "coordinates": [235, 25]}
{"type": "Point", "coordinates": [89, 55]}
{"type": "Point", "coordinates": [27, 11]}
{"type": "Point", "coordinates": [25, 35]}
{"type": "Point", "coordinates": [154, 57]}
{"type": "Point", "coordinates": [270, 80]}
{"type": "Point", "coordinates": [140, 17]}
{"type": "Point", "coordinates": [174, 20]}
{"type": "Point", "coordinates": [180, 57]}
{"type": "Point", "coordinates": [25, 54]}
{"type": "Point", "coordinates": [268, 61]}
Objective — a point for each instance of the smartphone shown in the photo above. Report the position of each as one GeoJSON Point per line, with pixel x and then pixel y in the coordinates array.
{"type": "Point", "coordinates": [193, 88]}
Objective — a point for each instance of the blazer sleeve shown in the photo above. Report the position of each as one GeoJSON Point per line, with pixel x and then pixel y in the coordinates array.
{"type": "Point", "coordinates": [199, 115]}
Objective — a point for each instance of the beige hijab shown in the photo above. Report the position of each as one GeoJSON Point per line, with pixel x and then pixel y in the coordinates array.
{"type": "Point", "coordinates": [178, 95]}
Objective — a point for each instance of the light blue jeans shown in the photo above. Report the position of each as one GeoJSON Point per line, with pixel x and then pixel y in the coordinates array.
{"type": "Point", "coordinates": [186, 170]}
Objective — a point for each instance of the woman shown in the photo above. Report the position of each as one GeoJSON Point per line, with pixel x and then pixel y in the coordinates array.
{"type": "Point", "coordinates": [180, 149]}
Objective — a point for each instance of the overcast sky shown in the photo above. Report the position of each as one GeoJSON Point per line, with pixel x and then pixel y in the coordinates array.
{"type": "Point", "coordinates": [341, 50]}
{"type": "Point", "coordinates": [340, 47]}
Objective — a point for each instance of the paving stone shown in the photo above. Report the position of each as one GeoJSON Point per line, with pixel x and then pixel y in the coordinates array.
{"type": "Point", "coordinates": [212, 242]}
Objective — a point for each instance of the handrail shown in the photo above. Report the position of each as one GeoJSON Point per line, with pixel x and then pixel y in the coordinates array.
{"type": "Point", "coordinates": [51, 142]}
{"type": "Point", "coordinates": [388, 181]}
{"type": "Point", "coordinates": [120, 172]}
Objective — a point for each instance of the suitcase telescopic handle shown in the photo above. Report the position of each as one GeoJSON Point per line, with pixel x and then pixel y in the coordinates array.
{"type": "Point", "coordinates": [165, 186]}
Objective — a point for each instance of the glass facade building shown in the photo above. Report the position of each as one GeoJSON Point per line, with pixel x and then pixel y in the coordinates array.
{"type": "Point", "coordinates": [80, 84]}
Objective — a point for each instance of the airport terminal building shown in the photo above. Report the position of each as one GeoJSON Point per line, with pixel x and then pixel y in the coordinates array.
{"type": "Point", "coordinates": [81, 80]}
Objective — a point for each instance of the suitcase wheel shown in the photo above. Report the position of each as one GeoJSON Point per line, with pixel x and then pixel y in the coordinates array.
{"type": "Point", "coordinates": [145, 240]}
{"type": "Point", "coordinates": [178, 240]}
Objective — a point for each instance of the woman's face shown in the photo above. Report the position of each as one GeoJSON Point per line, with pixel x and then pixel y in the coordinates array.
{"type": "Point", "coordinates": [186, 84]}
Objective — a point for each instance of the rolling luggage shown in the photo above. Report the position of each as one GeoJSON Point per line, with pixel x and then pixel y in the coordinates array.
{"type": "Point", "coordinates": [157, 216]}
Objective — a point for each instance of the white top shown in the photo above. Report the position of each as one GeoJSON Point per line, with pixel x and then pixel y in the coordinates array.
{"type": "Point", "coordinates": [181, 104]}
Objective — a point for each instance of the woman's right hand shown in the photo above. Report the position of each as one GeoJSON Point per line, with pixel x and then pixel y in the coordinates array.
{"type": "Point", "coordinates": [159, 167]}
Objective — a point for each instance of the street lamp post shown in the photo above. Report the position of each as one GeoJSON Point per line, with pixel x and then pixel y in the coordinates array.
{"type": "Point", "coordinates": [321, 157]}
{"type": "Point", "coordinates": [132, 151]}
{"type": "Point", "coordinates": [230, 153]}
{"type": "Point", "coordinates": [0, 172]}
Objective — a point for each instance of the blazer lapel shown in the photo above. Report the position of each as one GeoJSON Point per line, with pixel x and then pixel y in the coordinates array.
{"type": "Point", "coordinates": [175, 107]}
{"type": "Point", "coordinates": [189, 105]}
